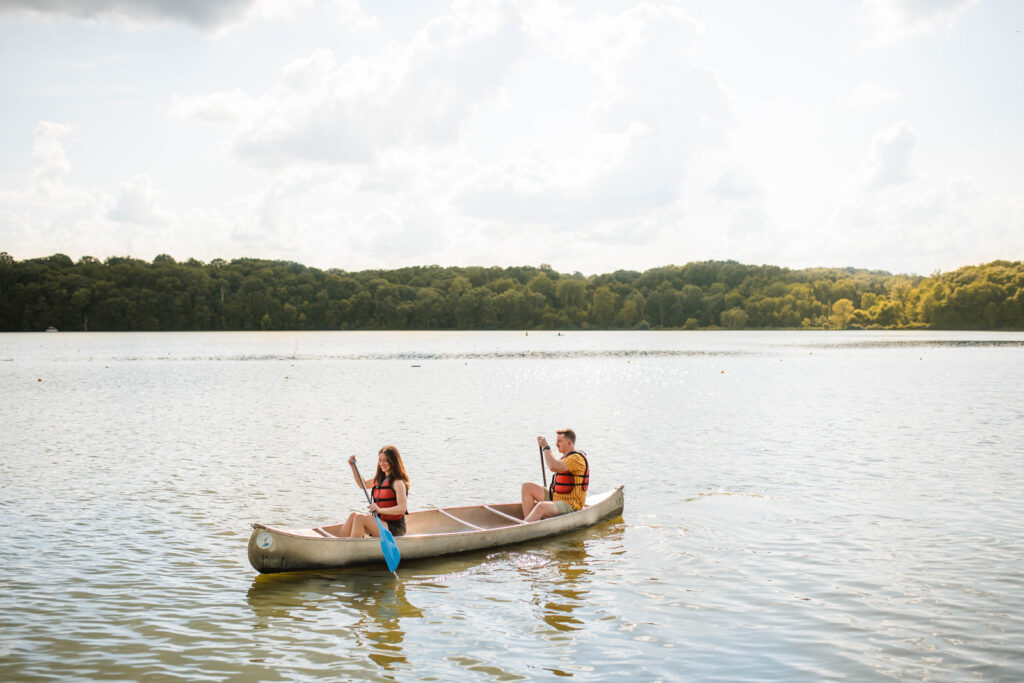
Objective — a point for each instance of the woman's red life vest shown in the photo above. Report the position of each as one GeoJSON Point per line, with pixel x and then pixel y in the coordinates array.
{"type": "Point", "coordinates": [384, 496]}
{"type": "Point", "coordinates": [563, 482]}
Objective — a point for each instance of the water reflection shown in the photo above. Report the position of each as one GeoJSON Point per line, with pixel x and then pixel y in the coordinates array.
{"type": "Point", "coordinates": [377, 602]}
{"type": "Point", "coordinates": [562, 588]}
{"type": "Point", "coordinates": [570, 589]}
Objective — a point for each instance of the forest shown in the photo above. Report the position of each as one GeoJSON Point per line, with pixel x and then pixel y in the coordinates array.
{"type": "Point", "coordinates": [125, 294]}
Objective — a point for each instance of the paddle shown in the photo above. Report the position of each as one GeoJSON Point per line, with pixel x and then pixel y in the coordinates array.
{"type": "Point", "coordinates": [542, 470]}
{"type": "Point", "coordinates": [387, 540]}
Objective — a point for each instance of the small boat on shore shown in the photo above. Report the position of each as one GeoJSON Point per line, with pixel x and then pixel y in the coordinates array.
{"type": "Point", "coordinates": [429, 533]}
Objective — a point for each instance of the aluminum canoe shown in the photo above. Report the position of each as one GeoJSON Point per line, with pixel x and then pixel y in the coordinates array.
{"type": "Point", "coordinates": [430, 533]}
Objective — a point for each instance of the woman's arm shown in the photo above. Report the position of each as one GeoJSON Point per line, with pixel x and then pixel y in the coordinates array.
{"type": "Point", "coordinates": [368, 483]}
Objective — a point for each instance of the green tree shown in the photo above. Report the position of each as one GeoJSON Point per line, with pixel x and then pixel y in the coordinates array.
{"type": "Point", "coordinates": [734, 318]}
{"type": "Point", "coordinates": [631, 313]}
{"type": "Point", "coordinates": [570, 293]}
{"type": "Point", "coordinates": [602, 312]}
{"type": "Point", "coordinates": [842, 311]}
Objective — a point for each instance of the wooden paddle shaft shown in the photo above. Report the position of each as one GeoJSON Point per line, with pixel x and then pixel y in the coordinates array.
{"type": "Point", "coordinates": [362, 485]}
{"type": "Point", "coordinates": [542, 471]}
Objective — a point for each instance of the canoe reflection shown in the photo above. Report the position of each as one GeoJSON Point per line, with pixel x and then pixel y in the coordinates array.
{"type": "Point", "coordinates": [378, 602]}
{"type": "Point", "coordinates": [566, 590]}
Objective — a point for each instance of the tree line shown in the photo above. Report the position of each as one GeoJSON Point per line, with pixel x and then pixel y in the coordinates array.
{"type": "Point", "coordinates": [124, 294]}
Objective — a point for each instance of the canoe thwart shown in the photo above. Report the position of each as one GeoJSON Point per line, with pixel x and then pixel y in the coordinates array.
{"type": "Point", "coordinates": [499, 512]}
{"type": "Point", "coordinates": [460, 521]}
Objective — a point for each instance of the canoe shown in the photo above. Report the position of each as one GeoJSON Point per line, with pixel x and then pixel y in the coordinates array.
{"type": "Point", "coordinates": [429, 533]}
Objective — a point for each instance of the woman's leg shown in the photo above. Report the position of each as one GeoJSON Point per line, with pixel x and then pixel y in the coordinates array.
{"type": "Point", "coordinates": [346, 529]}
{"type": "Point", "coordinates": [362, 525]}
{"type": "Point", "coordinates": [370, 526]}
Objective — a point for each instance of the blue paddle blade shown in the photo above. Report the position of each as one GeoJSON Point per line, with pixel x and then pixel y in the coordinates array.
{"type": "Point", "coordinates": [389, 546]}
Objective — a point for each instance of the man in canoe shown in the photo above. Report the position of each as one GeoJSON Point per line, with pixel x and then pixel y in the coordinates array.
{"type": "Point", "coordinates": [568, 490]}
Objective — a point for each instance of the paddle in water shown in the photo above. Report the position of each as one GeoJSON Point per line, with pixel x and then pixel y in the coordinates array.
{"type": "Point", "coordinates": [387, 539]}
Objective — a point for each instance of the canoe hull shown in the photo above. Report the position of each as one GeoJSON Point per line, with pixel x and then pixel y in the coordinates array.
{"type": "Point", "coordinates": [431, 533]}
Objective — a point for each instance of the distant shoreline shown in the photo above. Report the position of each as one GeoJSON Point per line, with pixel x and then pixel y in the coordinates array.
{"type": "Point", "coordinates": [124, 294]}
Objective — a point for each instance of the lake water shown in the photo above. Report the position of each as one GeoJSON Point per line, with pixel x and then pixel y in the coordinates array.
{"type": "Point", "coordinates": [799, 505]}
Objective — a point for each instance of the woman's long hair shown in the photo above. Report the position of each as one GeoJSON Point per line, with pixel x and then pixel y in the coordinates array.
{"type": "Point", "coordinates": [397, 468]}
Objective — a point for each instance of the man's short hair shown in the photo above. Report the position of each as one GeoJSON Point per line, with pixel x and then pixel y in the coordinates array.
{"type": "Point", "coordinates": [569, 434]}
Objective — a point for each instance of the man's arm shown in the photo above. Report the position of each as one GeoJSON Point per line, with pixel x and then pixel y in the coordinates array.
{"type": "Point", "coordinates": [554, 464]}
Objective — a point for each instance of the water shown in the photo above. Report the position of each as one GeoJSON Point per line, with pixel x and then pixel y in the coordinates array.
{"type": "Point", "coordinates": [799, 505]}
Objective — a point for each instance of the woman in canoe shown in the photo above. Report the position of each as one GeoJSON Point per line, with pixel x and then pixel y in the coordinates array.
{"type": "Point", "coordinates": [390, 488]}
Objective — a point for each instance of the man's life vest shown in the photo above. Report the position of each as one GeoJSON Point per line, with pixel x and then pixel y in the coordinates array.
{"type": "Point", "coordinates": [384, 496]}
{"type": "Point", "coordinates": [563, 482]}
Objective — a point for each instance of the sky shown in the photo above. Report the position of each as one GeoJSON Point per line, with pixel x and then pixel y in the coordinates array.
{"type": "Point", "coordinates": [591, 136]}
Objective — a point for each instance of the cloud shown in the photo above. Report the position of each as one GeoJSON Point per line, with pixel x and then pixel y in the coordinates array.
{"type": "Point", "coordinates": [217, 107]}
{"type": "Point", "coordinates": [47, 211]}
{"type": "Point", "coordinates": [490, 127]}
{"type": "Point", "coordinates": [50, 214]}
{"type": "Point", "coordinates": [52, 159]}
{"type": "Point", "coordinates": [869, 95]}
{"type": "Point", "coordinates": [417, 94]}
{"type": "Point", "coordinates": [388, 235]}
{"type": "Point", "coordinates": [309, 73]}
{"type": "Point", "coordinates": [888, 160]}
{"type": "Point", "coordinates": [937, 221]}
{"type": "Point", "coordinates": [734, 186]}
{"type": "Point", "coordinates": [895, 20]}
{"type": "Point", "coordinates": [204, 14]}
{"type": "Point", "coordinates": [611, 178]}
{"type": "Point", "coordinates": [618, 139]}
{"type": "Point", "coordinates": [137, 203]}
{"type": "Point", "coordinates": [533, 115]}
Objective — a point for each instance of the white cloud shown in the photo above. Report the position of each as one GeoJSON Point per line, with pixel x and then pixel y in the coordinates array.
{"type": "Point", "coordinates": [49, 152]}
{"type": "Point", "coordinates": [404, 96]}
{"type": "Point", "coordinates": [50, 214]}
{"type": "Point", "coordinates": [733, 185]}
{"type": "Point", "coordinates": [888, 160]}
{"type": "Point", "coordinates": [619, 144]}
{"type": "Point", "coordinates": [491, 126]}
{"type": "Point", "coordinates": [554, 118]}
{"type": "Point", "coordinates": [137, 203]}
{"type": "Point", "coordinates": [869, 95]}
{"type": "Point", "coordinates": [898, 19]}
{"type": "Point", "coordinates": [604, 179]}
{"type": "Point", "coordinates": [309, 73]}
{"type": "Point", "coordinates": [218, 107]}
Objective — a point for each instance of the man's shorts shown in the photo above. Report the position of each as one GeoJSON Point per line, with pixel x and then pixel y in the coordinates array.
{"type": "Point", "coordinates": [561, 507]}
